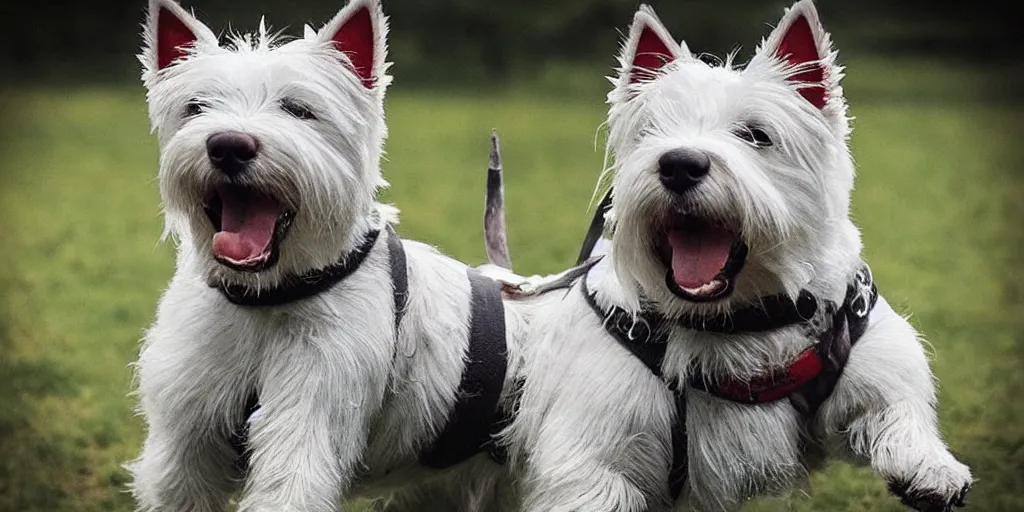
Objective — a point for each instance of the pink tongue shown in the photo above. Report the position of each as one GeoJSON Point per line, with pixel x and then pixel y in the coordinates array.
{"type": "Point", "coordinates": [247, 224]}
{"type": "Point", "coordinates": [699, 254]}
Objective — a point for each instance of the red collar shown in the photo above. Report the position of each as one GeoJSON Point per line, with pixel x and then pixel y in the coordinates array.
{"type": "Point", "coordinates": [766, 388]}
{"type": "Point", "coordinates": [809, 378]}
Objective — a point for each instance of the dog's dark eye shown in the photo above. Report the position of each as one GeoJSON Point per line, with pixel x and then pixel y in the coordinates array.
{"type": "Point", "coordinates": [754, 136]}
{"type": "Point", "coordinates": [298, 110]}
{"type": "Point", "coordinates": [194, 108]}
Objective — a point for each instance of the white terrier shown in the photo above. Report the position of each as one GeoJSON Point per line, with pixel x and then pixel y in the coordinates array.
{"type": "Point", "coordinates": [301, 347]}
{"type": "Point", "coordinates": [733, 272]}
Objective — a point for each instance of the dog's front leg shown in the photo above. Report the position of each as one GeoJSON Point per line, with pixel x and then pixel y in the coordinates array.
{"type": "Point", "coordinates": [187, 461]}
{"type": "Point", "coordinates": [597, 465]}
{"type": "Point", "coordinates": [592, 442]}
{"type": "Point", "coordinates": [306, 443]}
{"type": "Point", "coordinates": [888, 386]}
{"type": "Point", "coordinates": [180, 470]}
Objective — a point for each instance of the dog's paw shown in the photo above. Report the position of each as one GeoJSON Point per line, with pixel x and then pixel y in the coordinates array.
{"type": "Point", "coordinates": [928, 501]}
{"type": "Point", "coordinates": [938, 489]}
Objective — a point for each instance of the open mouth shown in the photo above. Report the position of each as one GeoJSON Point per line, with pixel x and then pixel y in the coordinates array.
{"type": "Point", "coordinates": [249, 227]}
{"type": "Point", "coordinates": [703, 259]}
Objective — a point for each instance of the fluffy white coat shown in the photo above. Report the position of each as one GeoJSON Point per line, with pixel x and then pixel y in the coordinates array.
{"type": "Point", "coordinates": [347, 403]}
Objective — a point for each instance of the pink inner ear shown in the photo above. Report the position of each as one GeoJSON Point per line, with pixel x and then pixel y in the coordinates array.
{"type": "Point", "coordinates": [171, 35]}
{"type": "Point", "coordinates": [798, 47]}
{"type": "Point", "coordinates": [651, 54]}
{"type": "Point", "coordinates": [355, 38]}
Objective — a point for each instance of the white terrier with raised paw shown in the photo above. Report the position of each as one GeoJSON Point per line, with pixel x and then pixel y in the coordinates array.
{"type": "Point", "coordinates": [303, 354]}
{"type": "Point", "coordinates": [732, 272]}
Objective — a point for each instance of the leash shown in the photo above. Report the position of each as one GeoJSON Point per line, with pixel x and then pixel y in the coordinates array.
{"type": "Point", "coordinates": [596, 229]}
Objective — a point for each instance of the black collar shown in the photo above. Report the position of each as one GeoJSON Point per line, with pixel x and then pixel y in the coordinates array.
{"type": "Point", "coordinates": [646, 333]}
{"type": "Point", "coordinates": [765, 314]}
{"type": "Point", "coordinates": [304, 286]}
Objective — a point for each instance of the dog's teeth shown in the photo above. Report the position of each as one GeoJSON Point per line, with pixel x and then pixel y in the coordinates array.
{"type": "Point", "coordinates": [706, 288]}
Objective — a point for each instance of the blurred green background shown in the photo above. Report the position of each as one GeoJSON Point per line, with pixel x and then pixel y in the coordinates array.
{"type": "Point", "coordinates": [934, 88]}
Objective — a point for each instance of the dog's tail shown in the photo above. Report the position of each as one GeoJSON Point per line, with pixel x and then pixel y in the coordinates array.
{"type": "Point", "coordinates": [499, 264]}
{"type": "Point", "coordinates": [494, 210]}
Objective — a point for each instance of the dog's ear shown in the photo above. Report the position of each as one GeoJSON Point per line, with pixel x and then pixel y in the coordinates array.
{"type": "Point", "coordinates": [802, 43]}
{"type": "Point", "coordinates": [169, 33]}
{"type": "Point", "coordinates": [360, 32]}
{"type": "Point", "coordinates": [646, 49]}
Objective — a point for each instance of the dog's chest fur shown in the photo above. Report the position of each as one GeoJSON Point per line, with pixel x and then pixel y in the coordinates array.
{"type": "Point", "coordinates": [206, 356]}
{"type": "Point", "coordinates": [737, 448]}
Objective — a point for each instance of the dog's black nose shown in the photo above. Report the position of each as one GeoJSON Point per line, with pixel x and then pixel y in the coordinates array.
{"type": "Point", "coordinates": [682, 169]}
{"type": "Point", "coordinates": [231, 151]}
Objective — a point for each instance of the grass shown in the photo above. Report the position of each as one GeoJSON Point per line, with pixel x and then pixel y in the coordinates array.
{"type": "Point", "coordinates": [81, 270]}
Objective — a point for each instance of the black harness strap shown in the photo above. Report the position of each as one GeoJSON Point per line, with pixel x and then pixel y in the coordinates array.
{"type": "Point", "coordinates": [317, 282]}
{"type": "Point", "coordinates": [399, 277]}
{"type": "Point", "coordinates": [647, 339]}
{"type": "Point", "coordinates": [476, 411]}
{"type": "Point", "coordinates": [240, 436]}
{"type": "Point", "coordinates": [644, 336]}
{"type": "Point", "coordinates": [835, 344]}
{"type": "Point", "coordinates": [679, 469]}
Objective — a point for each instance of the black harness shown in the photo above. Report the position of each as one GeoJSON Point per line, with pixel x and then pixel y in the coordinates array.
{"type": "Point", "coordinates": [476, 414]}
{"type": "Point", "coordinates": [807, 381]}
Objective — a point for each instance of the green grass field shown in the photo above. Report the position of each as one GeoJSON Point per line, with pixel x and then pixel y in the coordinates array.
{"type": "Point", "coordinates": [938, 198]}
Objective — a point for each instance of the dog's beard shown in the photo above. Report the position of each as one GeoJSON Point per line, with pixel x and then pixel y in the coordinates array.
{"type": "Point", "coordinates": [283, 216]}
{"type": "Point", "coordinates": [706, 253]}
{"type": "Point", "coordinates": [311, 186]}
{"type": "Point", "coordinates": [769, 264]}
